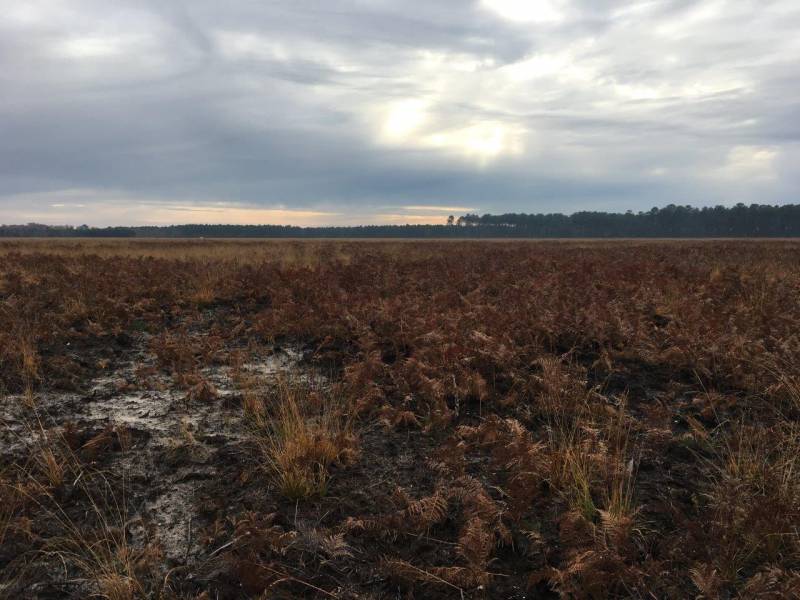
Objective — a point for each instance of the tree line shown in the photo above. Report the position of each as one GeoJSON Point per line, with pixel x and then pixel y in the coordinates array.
{"type": "Point", "coordinates": [755, 220]}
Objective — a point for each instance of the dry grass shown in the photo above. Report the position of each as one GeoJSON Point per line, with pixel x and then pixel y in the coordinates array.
{"type": "Point", "coordinates": [576, 481]}
{"type": "Point", "coordinates": [299, 252]}
{"type": "Point", "coordinates": [93, 544]}
{"type": "Point", "coordinates": [300, 434]}
{"type": "Point", "coordinates": [50, 467]}
{"type": "Point", "coordinates": [754, 500]}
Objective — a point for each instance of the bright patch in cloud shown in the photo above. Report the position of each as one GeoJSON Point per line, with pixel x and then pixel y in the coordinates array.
{"type": "Point", "coordinates": [403, 119]}
{"type": "Point", "coordinates": [414, 123]}
{"type": "Point", "coordinates": [438, 62]}
{"type": "Point", "coordinates": [484, 140]}
{"type": "Point", "coordinates": [92, 47]}
{"type": "Point", "coordinates": [562, 66]}
{"type": "Point", "coordinates": [750, 164]}
{"type": "Point", "coordinates": [699, 14]}
{"type": "Point", "coordinates": [526, 11]}
{"type": "Point", "coordinates": [235, 45]}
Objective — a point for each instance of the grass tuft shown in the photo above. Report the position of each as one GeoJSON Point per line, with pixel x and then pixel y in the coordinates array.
{"type": "Point", "coordinates": [301, 434]}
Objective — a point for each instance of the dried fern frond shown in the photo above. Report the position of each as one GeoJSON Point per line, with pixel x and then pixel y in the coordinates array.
{"type": "Point", "coordinates": [475, 543]}
{"type": "Point", "coordinates": [428, 511]}
{"type": "Point", "coordinates": [707, 580]}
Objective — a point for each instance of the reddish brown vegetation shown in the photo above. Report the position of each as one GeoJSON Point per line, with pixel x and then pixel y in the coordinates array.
{"type": "Point", "coordinates": [587, 420]}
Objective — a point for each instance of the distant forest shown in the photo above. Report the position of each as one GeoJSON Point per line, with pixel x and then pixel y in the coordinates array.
{"type": "Point", "coordinates": [756, 220]}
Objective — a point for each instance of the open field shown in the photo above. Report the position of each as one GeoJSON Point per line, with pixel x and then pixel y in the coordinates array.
{"type": "Point", "coordinates": [196, 419]}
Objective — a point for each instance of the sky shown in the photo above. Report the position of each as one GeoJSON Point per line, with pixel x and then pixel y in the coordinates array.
{"type": "Point", "coordinates": [392, 111]}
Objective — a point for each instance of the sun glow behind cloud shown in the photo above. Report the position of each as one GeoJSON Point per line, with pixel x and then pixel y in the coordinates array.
{"type": "Point", "coordinates": [484, 140]}
{"type": "Point", "coordinates": [413, 124]}
{"type": "Point", "coordinates": [403, 119]}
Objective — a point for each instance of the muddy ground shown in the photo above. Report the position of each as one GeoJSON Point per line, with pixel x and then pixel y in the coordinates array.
{"type": "Point", "coordinates": [169, 468]}
{"type": "Point", "coordinates": [173, 470]}
{"type": "Point", "coordinates": [163, 448]}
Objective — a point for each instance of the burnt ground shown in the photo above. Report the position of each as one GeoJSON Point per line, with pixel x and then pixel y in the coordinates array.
{"type": "Point", "coordinates": [170, 468]}
{"type": "Point", "coordinates": [672, 370]}
{"type": "Point", "coordinates": [170, 465]}
{"type": "Point", "coordinates": [162, 448]}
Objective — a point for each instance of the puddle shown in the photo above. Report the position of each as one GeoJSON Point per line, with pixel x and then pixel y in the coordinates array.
{"type": "Point", "coordinates": [175, 439]}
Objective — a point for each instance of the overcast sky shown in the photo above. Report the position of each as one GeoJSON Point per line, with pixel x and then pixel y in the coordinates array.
{"type": "Point", "coordinates": [392, 111]}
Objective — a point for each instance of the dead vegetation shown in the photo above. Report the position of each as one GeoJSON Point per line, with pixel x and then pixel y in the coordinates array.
{"type": "Point", "coordinates": [300, 433]}
{"type": "Point", "coordinates": [485, 420]}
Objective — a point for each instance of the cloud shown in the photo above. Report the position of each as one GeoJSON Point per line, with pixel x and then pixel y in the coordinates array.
{"type": "Point", "coordinates": [441, 209]}
{"type": "Point", "coordinates": [522, 11]}
{"type": "Point", "coordinates": [336, 111]}
{"type": "Point", "coordinates": [750, 164]}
